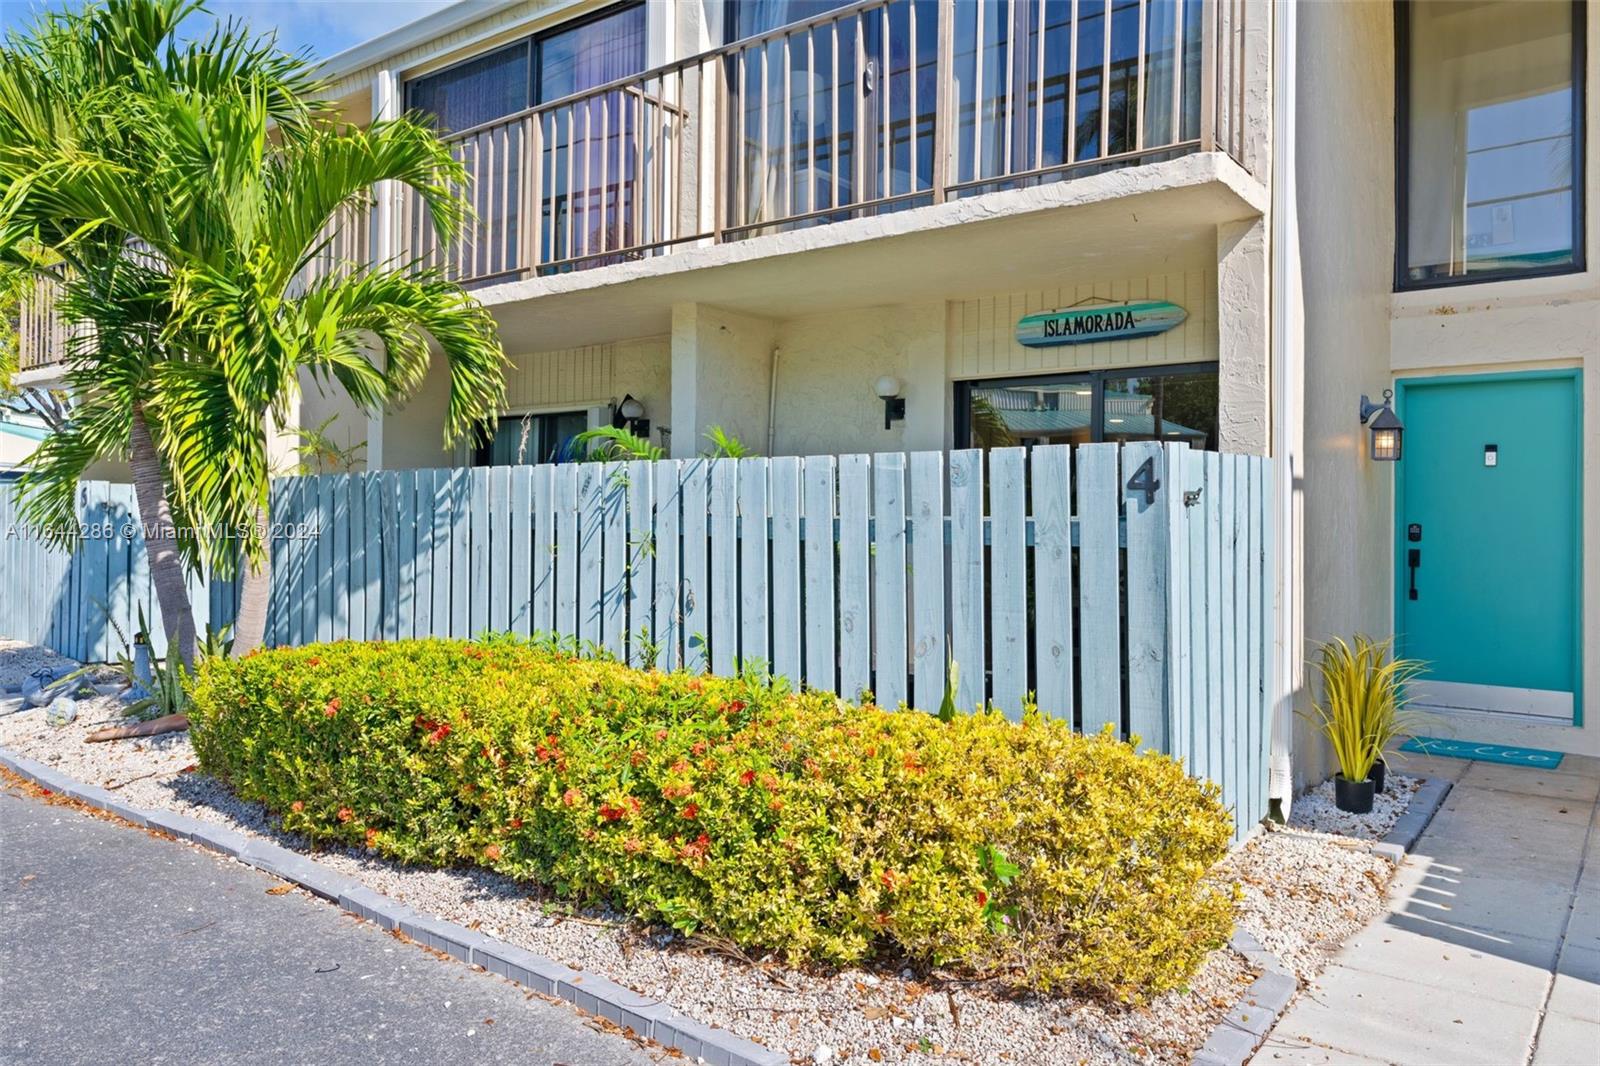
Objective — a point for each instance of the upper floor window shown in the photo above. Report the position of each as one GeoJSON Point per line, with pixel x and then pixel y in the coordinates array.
{"type": "Point", "coordinates": [568, 59]}
{"type": "Point", "coordinates": [1490, 147]}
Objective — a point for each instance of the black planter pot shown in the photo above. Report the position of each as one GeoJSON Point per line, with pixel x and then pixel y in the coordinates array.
{"type": "Point", "coordinates": [1353, 797]}
{"type": "Point", "coordinates": [1376, 776]}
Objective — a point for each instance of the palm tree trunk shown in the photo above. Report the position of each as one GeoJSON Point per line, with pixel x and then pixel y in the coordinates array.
{"type": "Point", "coordinates": [255, 586]}
{"type": "Point", "coordinates": [160, 539]}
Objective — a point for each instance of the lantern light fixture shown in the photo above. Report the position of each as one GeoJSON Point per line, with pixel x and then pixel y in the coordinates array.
{"type": "Point", "coordinates": [1387, 429]}
{"type": "Point", "coordinates": [894, 405]}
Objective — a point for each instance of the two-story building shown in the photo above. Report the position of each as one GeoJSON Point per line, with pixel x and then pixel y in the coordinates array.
{"type": "Point", "coordinates": [868, 227]}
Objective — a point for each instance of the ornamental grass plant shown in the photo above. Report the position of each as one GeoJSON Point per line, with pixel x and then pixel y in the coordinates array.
{"type": "Point", "coordinates": [791, 822]}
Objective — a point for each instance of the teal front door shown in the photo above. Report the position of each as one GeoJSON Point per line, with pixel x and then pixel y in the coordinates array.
{"type": "Point", "coordinates": [1488, 498]}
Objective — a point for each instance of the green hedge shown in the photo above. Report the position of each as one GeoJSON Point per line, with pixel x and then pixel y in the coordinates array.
{"type": "Point", "coordinates": [797, 823]}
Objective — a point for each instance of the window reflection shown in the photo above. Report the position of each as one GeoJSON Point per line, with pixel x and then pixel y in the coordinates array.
{"type": "Point", "coordinates": [1173, 404]}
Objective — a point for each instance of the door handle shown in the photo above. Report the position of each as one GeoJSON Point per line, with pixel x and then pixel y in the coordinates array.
{"type": "Point", "coordinates": [1413, 560]}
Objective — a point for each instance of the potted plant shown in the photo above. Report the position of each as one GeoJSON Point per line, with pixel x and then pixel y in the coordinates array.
{"type": "Point", "coordinates": [1361, 711]}
{"type": "Point", "coordinates": [1387, 683]}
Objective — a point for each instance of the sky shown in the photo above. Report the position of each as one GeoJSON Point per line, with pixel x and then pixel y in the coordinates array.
{"type": "Point", "coordinates": [326, 27]}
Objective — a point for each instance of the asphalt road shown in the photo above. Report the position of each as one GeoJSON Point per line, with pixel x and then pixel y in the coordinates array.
{"type": "Point", "coordinates": [120, 947]}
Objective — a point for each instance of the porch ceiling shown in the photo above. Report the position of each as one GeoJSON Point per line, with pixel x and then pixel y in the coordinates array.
{"type": "Point", "coordinates": [1156, 218]}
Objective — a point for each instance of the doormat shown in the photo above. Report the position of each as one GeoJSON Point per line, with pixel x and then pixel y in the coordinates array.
{"type": "Point", "coordinates": [1468, 749]}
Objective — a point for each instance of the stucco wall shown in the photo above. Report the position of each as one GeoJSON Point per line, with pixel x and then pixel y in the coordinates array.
{"type": "Point", "coordinates": [828, 365]}
{"type": "Point", "coordinates": [319, 401]}
{"type": "Point", "coordinates": [1346, 168]}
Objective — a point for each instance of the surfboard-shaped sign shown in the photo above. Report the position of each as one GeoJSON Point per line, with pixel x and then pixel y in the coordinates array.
{"type": "Point", "coordinates": [1099, 322]}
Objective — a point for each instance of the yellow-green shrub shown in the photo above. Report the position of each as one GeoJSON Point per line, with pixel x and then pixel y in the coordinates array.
{"type": "Point", "coordinates": [793, 822]}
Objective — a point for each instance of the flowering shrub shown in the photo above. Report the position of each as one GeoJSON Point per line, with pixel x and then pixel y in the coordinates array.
{"type": "Point", "coordinates": [793, 822]}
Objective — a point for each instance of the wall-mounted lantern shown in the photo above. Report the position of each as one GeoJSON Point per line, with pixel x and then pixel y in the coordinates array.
{"type": "Point", "coordinates": [1387, 429]}
{"type": "Point", "coordinates": [894, 405]}
{"type": "Point", "coordinates": [629, 414]}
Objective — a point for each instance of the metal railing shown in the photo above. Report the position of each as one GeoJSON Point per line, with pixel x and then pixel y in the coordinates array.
{"type": "Point", "coordinates": [868, 109]}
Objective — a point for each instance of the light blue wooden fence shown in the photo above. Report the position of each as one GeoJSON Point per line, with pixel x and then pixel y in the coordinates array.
{"type": "Point", "coordinates": [1125, 585]}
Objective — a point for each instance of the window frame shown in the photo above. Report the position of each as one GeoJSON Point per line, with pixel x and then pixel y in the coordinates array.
{"type": "Point", "coordinates": [1402, 162]}
{"type": "Point", "coordinates": [1096, 379]}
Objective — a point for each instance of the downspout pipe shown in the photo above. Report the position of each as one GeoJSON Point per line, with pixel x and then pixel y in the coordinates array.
{"type": "Point", "coordinates": [772, 400]}
{"type": "Point", "coordinates": [1287, 357]}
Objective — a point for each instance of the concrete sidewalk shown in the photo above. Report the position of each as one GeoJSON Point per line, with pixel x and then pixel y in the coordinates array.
{"type": "Point", "coordinates": [1490, 949]}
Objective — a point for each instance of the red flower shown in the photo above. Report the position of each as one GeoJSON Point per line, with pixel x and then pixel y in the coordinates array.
{"type": "Point", "coordinates": [632, 846]}
{"type": "Point", "coordinates": [690, 810]}
{"type": "Point", "coordinates": [372, 838]}
{"type": "Point", "coordinates": [516, 823]}
{"type": "Point", "coordinates": [698, 747]}
{"type": "Point", "coordinates": [332, 708]}
{"type": "Point", "coordinates": [661, 734]}
{"type": "Point", "coordinates": [637, 758]}
{"type": "Point", "coordinates": [696, 849]}
{"type": "Point", "coordinates": [747, 778]}
{"type": "Point", "coordinates": [983, 898]}
{"type": "Point", "coordinates": [492, 852]}
{"type": "Point", "coordinates": [610, 813]}
{"type": "Point", "coordinates": [313, 661]}
{"type": "Point", "coordinates": [571, 797]}
{"type": "Point", "coordinates": [297, 806]}
{"type": "Point", "coordinates": [891, 880]}
{"type": "Point", "coordinates": [733, 707]}
{"type": "Point", "coordinates": [345, 814]}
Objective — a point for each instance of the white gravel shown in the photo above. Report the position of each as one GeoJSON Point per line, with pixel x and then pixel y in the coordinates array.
{"type": "Point", "coordinates": [1301, 894]}
{"type": "Point", "coordinates": [1317, 811]}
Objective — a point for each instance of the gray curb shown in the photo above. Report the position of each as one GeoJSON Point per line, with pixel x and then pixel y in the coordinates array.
{"type": "Point", "coordinates": [648, 1018]}
{"type": "Point", "coordinates": [1246, 1025]}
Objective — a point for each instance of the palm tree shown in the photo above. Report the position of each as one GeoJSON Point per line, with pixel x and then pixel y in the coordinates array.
{"type": "Point", "coordinates": [227, 187]}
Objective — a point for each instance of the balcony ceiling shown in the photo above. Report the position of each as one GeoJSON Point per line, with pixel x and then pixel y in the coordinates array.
{"type": "Point", "coordinates": [1157, 218]}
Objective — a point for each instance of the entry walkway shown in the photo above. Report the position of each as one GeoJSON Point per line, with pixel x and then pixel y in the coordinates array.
{"type": "Point", "coordinates": [1490, 949]}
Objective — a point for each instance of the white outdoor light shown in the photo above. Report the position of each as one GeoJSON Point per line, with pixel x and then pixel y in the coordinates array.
{"type": "Point", "coordinates": [629, 414]}
{"type": "Point", "coordinates": [630, 408]}
{"type": "Point", "coordinates": [894, 405]}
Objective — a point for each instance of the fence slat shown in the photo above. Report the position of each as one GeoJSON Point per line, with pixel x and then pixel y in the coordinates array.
{"type": "Point", "coordinates": [694, 488]}
{"type": "Point", "coordinates": [614, 560]}
{"type": "Point", "coordinates": [591, 532]}
{"type": "Point", "coordinates": [967, 643]}
{"type": "Point", "coordinates": [480, 536]}
{"type": "Point", "coordinates": [545, 547]}
{"type": "Point", "coordinates": [1255, 713]}
{"type": "Point", "coordinates": [373, 537]}
{"type": "Point", "coordinates": [1008, 604]}
{"type": "Point", "coordinates": [501, 548]}
{"type": "Point", "coordinates": [668, 633]}
{"type": "Point", "coordinates": [754, 595]}
{"type": "Point", "coordinates": [889, 577]}
{"type": "Point", "coordinates": [441, 550]}
{"type": "Point", "coordinates": [821, 646]}
{"type": "Point", "coordinates": [519, 609]}
{"type": "Point", "coordinates": [565, 622]}
{"type": "Point", "coordinates": [1052, 578]}
{"type": "Point", "coordinates": [356, 545]}
{"type": "Point", "coordinates": [401, 538]}
{"type": "Point", "coordinates": [641, 561]}
{"type": "Point", "coordinates": [928, 628]}
{"type": "Point", "coordinates": [855, 579]}
{"type": "Point", "coordinates": [119, 571]}
{"type": "Point", "coordinates": [786, 601]}
{"type": "Point", "coordinates": [327, 529]}
{"type": "Point", "coordinates": [1099, 567]}
{"type": "Point", "coordinates": [1145, 500]}
{"type": "Point", "coordinates": [724, 565]}
{"type": "Point", "coordinates": [1211, 495]}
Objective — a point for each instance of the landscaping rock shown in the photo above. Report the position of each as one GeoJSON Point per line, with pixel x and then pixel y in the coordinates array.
{"type": "Point", "coordinates": [63, 710]}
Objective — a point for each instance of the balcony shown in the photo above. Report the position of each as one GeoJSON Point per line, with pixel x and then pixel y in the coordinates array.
{"type": "Point", "coordinates": [872, 109]}
{"type": "Point", "coordinates": [868, 110]}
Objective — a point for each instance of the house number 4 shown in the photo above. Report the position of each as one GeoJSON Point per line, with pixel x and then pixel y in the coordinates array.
{"type": "Point", "coordinates": [1144, 480]}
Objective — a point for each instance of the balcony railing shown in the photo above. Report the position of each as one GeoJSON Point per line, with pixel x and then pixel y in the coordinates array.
{"type": "Point", "coordinates": [41, 333]}
{"type": "Point", "coordinates": [865, 110]}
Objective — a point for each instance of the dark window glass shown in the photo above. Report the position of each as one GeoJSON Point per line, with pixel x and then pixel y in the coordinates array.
{"type": "Point", "coordinates": [1170, 404]}
{"type": "Point", "coordinates": [477, 91]}
{"type": "Point", "coordinates": [524, 439]}
{"type": "Point", "coordinates": [592, 53]}
{"type": "Point", "coordinates": [1488, 110]}
{"type": "Point", "coordinates": [746, 18]}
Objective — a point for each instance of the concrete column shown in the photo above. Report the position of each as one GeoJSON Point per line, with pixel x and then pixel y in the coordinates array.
{"type": "Point", "coordinates": [721, 376]}
{"type": "Point", "coordinates": [386, 104]}
{"type": "Point", "coordinates": [1242, 336]}
{"type": "Point", "coordinates": [929, 425]}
